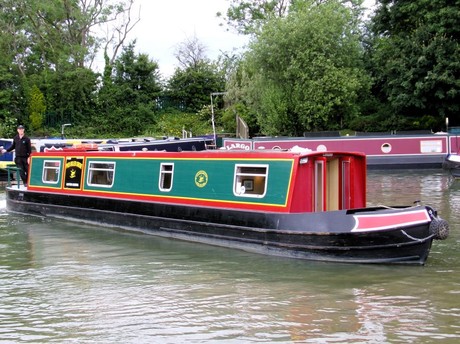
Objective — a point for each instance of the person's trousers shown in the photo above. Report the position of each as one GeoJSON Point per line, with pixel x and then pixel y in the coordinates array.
{"type": "Point", "coordinates": [21, 162]}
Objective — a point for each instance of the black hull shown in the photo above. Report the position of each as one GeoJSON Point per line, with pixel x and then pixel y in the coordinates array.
{"type": "Point", "coordinates": [323, 237]}
{"type": "Point", "coordinates": [405, 162]}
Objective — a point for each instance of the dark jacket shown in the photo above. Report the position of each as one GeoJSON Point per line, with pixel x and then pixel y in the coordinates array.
{"type": "Point", "coordinates": [22, 147]}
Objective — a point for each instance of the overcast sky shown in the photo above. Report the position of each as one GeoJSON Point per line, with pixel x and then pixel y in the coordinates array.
{"type": "Point", "coordinates": [166, 23]}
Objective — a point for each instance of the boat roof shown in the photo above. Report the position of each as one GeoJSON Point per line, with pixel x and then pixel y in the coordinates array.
{"type": "Point", "coordinates": [219, 153]}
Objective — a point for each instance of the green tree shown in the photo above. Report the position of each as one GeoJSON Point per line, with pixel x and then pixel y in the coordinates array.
{"type": "Point", "coordinates": [416, 60]}
{"type": "Point", "coordinates": [71, 95]}
{"type": "Point", "coordinates": [236, 101]}
{"type": "Point", "coordinates": [51, 44]}
{"type": "Point", "coordinates": [304, 72]}
{"type": "Point", "coordinates": [249, 16]}
{"type": "Point", "coordinates": [192, 87]}
{"type": "Point", "coordinates": [128, 96]}
{"type": "Point", "coordinates": [37, 108]}
{"type": "Point", "coordinates": [8, 83]}
{"type": "Point", "coordinates": [50, 32]}
{"type": "Point", "coordinates": [193, 82]}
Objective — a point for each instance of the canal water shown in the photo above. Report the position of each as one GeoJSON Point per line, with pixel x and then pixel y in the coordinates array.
{"type": "Point", "coordinates": [65, 282]}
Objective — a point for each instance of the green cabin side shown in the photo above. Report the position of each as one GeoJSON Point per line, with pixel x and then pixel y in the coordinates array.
{"type": "Point", "coordinates": [281, 182]}
{"type": "Point", "coordinates": [216, 181]}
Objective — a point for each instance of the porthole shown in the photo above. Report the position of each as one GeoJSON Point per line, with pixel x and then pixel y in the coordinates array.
{"type": "Point", "coordinates": [386, 148]}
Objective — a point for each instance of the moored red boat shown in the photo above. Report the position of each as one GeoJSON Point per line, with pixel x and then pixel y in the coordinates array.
{"type": "Point", "coordinates": [389, 151]}
{"type": "Point", "coordinates": [306, 204]}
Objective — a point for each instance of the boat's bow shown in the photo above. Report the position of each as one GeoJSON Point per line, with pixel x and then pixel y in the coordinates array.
{"type": "Point", "coordinates": [452, 163]}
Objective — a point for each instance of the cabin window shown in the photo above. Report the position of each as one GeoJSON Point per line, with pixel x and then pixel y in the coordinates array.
{"type": "Point", "coordinates": [101, 173]}
{"type": "Point", "coordinates": [166, 177]}
{"type": "Point", "coordinates": [250, 180]}
{"type": "Point", "coordinates": [431, 146]}
{"type": "Point", "coordinates": [51, 171]}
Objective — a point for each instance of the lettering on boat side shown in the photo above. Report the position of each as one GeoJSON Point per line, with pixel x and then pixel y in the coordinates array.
{"type": "Point", "coordinates": [74, 163]}
{"type": "Point", "coordinates": [238, 145]}
{"type": "Point", "coordinates": [73, 172]}
{"type": "Point", "coordinates": [201, 178]}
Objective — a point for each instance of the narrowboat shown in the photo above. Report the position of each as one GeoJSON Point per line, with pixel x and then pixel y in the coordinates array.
{"type": "Point", "coordinates": [298, 204]}
{"type": "Point", "coordinates": [6, 158]}
{"type": "Point", "coordinates": [452, 162]}
{"type": "Point", "coordinates": [170, 144]}
{"type": "Point", "coordinates": [390, 151]}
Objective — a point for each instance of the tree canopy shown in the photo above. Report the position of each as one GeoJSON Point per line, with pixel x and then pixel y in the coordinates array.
{"type": "Point", "coordinates": [304, 72]}
{"type": "Point", "coordinates": [126, 100]}
{"type": "Point", "coordinates": [415, 59]}
{"type": "Point", "coordinates": [47, 49]}
{"type": "Point", "coordinates": [310, 65]}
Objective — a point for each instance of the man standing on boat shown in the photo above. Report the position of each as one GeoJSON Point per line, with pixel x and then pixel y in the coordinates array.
{"type": "Point", "coordinates": [22, 147]}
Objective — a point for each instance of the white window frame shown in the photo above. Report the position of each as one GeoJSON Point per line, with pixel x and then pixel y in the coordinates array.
{"type": "Point", "coordinates": [431, 146]}
{"type": "Point", "coordinates": [162, 175]}
{"type": "Point", "coordinates": [242, 177]}
{"type": "Point", "coordinates": [108, 170]}
{"type": "Point", "coordinates": [57, 170]}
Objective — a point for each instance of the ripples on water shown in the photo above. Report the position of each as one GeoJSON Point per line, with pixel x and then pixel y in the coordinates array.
{"type": "Point", "coordinates": [64, 282]}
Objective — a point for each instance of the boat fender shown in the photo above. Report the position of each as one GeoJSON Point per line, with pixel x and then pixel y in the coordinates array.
{"type": "Point", "coordinates": [439, 228]}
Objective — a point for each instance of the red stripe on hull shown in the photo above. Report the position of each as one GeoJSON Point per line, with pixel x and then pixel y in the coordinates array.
{"type": "Point", "coordinates": [386, 221]}
{"type": "Point", "coordinates": [168, 200]}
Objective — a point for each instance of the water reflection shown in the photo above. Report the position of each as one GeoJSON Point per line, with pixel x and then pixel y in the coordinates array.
{"type": "Point", "coordinates": [432, 187]}
{"type": "Point", "coordinates": [65, 282]}
{"type": "Point", "coordinates": [408, 186]}
{"type": "Point", "coordinates": [360, 315]}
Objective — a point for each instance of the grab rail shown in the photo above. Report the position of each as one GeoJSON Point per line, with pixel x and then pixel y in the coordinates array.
{"type": "Point", "coordinates": [12, 169]}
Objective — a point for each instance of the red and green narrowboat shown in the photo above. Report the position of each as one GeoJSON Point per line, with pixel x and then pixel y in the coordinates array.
{"type": "Point", "coordinates": [307, 204]}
